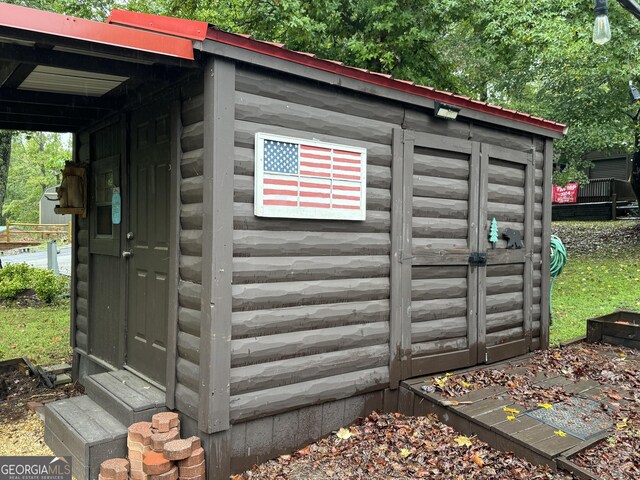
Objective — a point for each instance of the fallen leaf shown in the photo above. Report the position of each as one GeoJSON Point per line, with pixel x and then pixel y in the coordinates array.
{"type": "Point", "coordinates": [463, 440]}
{"type": "Point", "coordinates": [511, 418]}
{"type": "Point", "coordinates": [465, 384]}
{"type": "Point", "coordinates": [546, 406]}
{"type": "Point", "coordinates": [560, 433]}
{"type": "Point", "coordinates": [623, 424]}
{"type": "Point", "coordinates": [343, 434]}
{"type": "Point", "coordinates": [440, 381]}
{"type": "Point", "coordinates": [511, 410]}
{"type": "Point", "coordinates": [477, 460]}
{"type": "Point", "coordinates": [614, 395]}
{"type": "Point", "coordinates": [405, 452]}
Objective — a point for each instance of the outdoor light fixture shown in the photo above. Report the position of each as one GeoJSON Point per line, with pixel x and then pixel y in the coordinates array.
{"type": "Point", "coordinates": [442, 110]}
{"type": "Point", "coordinates": [601, 27]}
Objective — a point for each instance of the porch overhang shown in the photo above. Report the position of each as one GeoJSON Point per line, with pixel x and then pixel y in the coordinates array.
{"type": "Point", "coordinates": [60, 73]}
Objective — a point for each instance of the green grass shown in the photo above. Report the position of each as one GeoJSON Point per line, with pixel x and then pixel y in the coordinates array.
{"type": "Point", "coordinates": [590, 286]}
{"type": "Point", "coordinates": [40, 334]}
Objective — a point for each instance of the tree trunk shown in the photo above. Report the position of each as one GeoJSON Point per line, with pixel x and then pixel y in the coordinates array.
{"type": "Point", "coordinates": [5, 158]}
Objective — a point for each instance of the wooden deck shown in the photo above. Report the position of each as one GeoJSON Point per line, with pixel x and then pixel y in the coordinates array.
{"type": "Point", "coordinates": [485, 417]}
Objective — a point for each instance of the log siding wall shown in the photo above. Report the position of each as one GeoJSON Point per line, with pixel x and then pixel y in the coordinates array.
{"type": "Point", "coordinates": [81, 252]}
{"type": "Point", "coordinates": [187, 375]}
{"type": "Point", "coordinates": [310, 318]}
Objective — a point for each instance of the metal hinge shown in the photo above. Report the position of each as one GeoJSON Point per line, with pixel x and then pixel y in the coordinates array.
{"type": "Point", "coordinates": [477, 259]}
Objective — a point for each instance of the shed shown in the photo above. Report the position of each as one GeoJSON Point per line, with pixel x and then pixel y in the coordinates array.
{"type": "Point", "coordinates": [47, 215]}
{"type": "Point", "coordinates": [267, 332]}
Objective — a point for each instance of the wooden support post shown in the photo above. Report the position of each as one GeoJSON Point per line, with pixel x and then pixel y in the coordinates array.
{"type": "Point", "coordinates": [614, 206]}
{"type": "Point", "coordinates": [546, 245]}
{"type": "Point", "coordinates": [174, 254]}
{"type": "Point", "coordinates": [217, 246]}
{"type": "Point", "coordinates": [7, 232]}
{"type": "Point", "coordinates": [401, 234]}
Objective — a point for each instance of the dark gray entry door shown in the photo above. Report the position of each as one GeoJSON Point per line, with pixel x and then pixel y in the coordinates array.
{"type": "Point", "coordinates": [148, 242]}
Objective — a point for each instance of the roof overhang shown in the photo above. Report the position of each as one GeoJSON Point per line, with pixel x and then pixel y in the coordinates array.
{"type": "Point", "coordinates": [60, 73]}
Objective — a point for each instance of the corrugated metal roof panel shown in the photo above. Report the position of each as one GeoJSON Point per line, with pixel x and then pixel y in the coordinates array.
{"type": "Point", "coordinates": [61, 80]}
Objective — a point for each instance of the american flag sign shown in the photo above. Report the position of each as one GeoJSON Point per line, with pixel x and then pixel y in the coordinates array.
{"type": "Point", "coordinates": [298, 178]}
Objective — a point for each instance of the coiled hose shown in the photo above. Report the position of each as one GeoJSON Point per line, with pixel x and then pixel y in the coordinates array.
{"type": "Point", "coordinates": [558, 261]}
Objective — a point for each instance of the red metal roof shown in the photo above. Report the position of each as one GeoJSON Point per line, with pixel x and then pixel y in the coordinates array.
{"type": "Point", "coordinates": [178, 27]}
{"type": "Point", "coordinates": [174, 36]}
{"type": "Point", "coordinates": [29, 19]}
{"type": "Point", "coordinates": [192, 29]}
{"type": "Point", "coordinates": [303, 58]}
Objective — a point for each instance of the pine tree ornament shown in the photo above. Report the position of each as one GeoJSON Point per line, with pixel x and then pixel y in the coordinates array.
{"type": "Point", "coordinates": [493, 233]}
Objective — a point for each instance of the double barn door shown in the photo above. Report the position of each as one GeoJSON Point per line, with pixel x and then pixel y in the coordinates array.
{"type": "Point", "coordinates": [457, 299]}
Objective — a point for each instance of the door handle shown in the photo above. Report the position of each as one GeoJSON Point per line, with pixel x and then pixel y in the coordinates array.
{"type": "Point", "coordinates": [127, 254]}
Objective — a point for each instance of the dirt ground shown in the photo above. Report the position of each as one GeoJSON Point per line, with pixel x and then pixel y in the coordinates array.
{"type": "Point", "coordinates": [394, 446]}
{"type": "Point", "coordinates": [22, 430]}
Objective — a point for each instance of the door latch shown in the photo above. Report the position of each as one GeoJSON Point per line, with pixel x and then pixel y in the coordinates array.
{"type": "Point", "coordinates": [127, 254]}
{"type": "Point", "coordinates": [477, 259]}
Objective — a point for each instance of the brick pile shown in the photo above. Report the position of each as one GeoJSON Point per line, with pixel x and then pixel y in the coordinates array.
{"type": "Point", "coordinates": [156, 452]}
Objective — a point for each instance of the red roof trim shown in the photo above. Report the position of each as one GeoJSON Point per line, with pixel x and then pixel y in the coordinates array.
{"type": "Point", "coordinates": [178, 27]}
{"type": "Point", "coordinates": [23, 18]}
{"type": "Point", "coordinates": [379, 79]}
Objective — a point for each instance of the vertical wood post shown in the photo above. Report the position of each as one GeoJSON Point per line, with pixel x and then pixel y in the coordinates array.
{"type": "Point", "coordinates": [529, 212]}
{"type": "Point", "coordinates": [481, 273]}
{"type": "Point", "coordinates": [217, 245]}
{"type": "Point", "coordinates": [546, 244]}
{"type": "Point", "coordinates": [174, 253]}
{"type": "Point", "coordinates": [6, 222]}
{"type": "Point", "coordinates": [401, 234]}
{"type": "Point", "coordinates": [475, 245]}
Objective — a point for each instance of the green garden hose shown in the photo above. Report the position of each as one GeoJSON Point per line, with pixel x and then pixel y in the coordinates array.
{"type": "Point", "coordinates": [558, 260]}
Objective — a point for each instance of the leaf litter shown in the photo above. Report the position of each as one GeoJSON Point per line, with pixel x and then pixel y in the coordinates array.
{"type": "Point", "coordinates": [615, 369]}
{"type": "Point", "coordinates": [394, 446]}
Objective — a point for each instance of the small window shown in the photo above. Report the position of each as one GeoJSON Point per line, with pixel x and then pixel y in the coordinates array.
{"type": "Point", "coordinates": [103, 195]}
{"type": "Point", "coordinates": [105, 236]}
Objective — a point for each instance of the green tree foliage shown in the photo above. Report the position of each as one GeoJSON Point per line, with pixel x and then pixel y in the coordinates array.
{"type": "Point", "coordinates": [397, 37]}
{"type": "Point", "coordinates": [534, 56]}
{"type": "Point", "coordinates": [36, 161]}
{"type": "Point", "coordinates": [537, 57]}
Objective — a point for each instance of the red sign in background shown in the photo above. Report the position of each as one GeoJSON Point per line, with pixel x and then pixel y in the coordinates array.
{"type": "Point", "coordinates": [566, 194]}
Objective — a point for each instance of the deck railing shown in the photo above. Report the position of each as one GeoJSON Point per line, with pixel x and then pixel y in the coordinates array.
{"type": "Point", "coordinates": [16, 232]}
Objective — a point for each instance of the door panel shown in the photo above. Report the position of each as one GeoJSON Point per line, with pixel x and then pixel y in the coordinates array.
{"type": "Point", "coordinates": [148, 264]}
{"type": "Point", "coordinates": [505, 285]}
{"type": "Point", "coordinates": [444, 232]}
{"type": "Point", "coordinates": [462, 314]}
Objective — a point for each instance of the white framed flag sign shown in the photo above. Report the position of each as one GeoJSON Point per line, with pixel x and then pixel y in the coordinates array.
{"type": "Point", "coordinates": [297, 178]}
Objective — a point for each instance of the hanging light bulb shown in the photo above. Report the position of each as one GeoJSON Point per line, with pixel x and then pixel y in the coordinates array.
{"type": "Point", "coordinates": [601, 27]}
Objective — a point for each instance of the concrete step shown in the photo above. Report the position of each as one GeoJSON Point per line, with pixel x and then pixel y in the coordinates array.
{"type": "Point", "coordinates": [80, 428]}
{"type": "Point", "coordinates": [125, 396]}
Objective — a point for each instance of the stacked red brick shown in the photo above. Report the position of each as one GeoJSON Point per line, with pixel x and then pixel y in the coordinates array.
{"type": "Point", "coordinates": [156, 452]}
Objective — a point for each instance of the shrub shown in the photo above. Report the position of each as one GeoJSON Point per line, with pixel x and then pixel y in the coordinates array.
{"type": "Point", "coordinates": [18, 278]}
